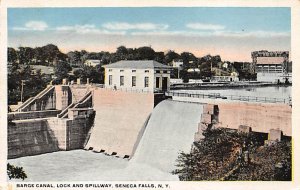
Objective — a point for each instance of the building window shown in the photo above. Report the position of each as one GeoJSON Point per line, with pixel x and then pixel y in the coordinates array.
{"type": "Point", "coordinates": [157, 82]}
{"type": "Point", "coordinates": [110, 80]}
{"type": "Point", "coordinates": [146, 81]}
{"type": "Point", "coordinates": [121, 80]}
{"type": "Point", "coordinates": [133, 71]}
{"type": "Point", "coordinates": [133, 81]}
{"type": "Point", "coordinates": [146, 71]}
{"type": "Point", "coordinates": [121, 70]}
{"type": "Point", "coordinates": [165, 71]}
{"type": "Point", "coordinates": [109, 70]}
{"type": "Point", "coordinates": [157, 71]}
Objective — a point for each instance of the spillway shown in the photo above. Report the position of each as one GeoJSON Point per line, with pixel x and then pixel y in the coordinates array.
{"type": "Point", "coordinates": [170, 130]}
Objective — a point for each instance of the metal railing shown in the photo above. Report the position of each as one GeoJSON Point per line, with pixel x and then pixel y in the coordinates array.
{"type": "Point", "coordinates": [230, 97]}
{"type": "Point", "coordinates": [37, 97]}
{"type": "Point", "coordinates": [129, 90]}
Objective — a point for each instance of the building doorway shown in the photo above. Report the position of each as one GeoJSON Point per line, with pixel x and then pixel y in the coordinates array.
{"type": "Point", "coordinates": [164, 83]}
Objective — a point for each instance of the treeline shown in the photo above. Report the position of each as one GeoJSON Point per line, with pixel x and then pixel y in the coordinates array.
{"type": "Point", "coordinates": [47, 55]}
{"type": "Point", "coordinates": [71, 65]}
{"type": "Point", "coordinates": [50, 55]}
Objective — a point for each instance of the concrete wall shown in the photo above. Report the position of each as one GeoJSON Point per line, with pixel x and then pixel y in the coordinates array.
{"type": "Point", "coordinates": [271, 77]}
{"type": "Point", "coordinates": [63, 96]}
{"type": "Point", "coordinates": [120, 116]}
{"type": "Point", "coordinates": [78, 92]}
{"type": "Point", "coordinates": [32, 114]}
{"type": "Point", "coordinates": [58, 127]}
{"type": "Point", "coordinates": [30, 137]}
{"type": "Point", "coordinates": [38, 132]}
{"type": "Point", "coordinates": [72, 133]}
{"type": "Point", "coordinates": [78, 132]}
{"type": "Point", "coordinates": [38, 136]}
{"type": "Point", "coordinates": [261, 117]}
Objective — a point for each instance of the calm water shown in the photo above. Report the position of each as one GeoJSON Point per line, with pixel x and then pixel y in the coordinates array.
{"type": "Point", "coordinates": [270, 92]}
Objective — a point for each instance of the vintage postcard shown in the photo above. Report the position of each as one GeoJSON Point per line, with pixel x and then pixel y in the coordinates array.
{"type": "Point", "coordinates": [140, 95]}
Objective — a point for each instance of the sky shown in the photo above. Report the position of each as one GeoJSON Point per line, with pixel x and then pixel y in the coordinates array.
{"type": "Point", "coordinates": [232, 33]}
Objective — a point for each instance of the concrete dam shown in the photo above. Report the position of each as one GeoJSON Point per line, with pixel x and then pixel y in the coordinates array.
{"type": "Point", "coordinates": [127, 120]}
{"type": "Point", "coordinates": [170, 129]}
{"type": "Point", "coordinates": [119, 121]}
{"type": "Point", "coordinates": [113, 124]}
{"type": "Point", "coordinates": [126, 125]}
{"type": "Point", "coordinates": [60, 118]}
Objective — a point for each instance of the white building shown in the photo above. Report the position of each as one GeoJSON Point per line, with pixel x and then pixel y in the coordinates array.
{"type": "Point", "coordinates": [149, 76]}
{"type": "Point", "coordinates": [193, 70]}
{"type": "Point", "coordinates": [92, 62]}
{"type": "Point", "coordinates": [176, 63]}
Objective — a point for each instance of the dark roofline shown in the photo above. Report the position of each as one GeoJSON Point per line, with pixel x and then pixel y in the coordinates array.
{"type": "Point", "coordinates": [148, 64]}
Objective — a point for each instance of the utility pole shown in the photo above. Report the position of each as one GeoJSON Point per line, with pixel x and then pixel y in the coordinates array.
{"type": "Point", "coordinates": [22, 88]}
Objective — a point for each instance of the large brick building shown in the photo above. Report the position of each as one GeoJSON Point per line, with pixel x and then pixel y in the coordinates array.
{"type": "Point", "coordinates": [271, 66]}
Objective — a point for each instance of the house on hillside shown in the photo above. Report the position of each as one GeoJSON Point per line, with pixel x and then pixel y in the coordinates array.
{"type": "Point", "coordinates": [92, 62]}
{"type": "Point", "coordinates": [178, 63]}
{"type": "Point", "coordinates": [149, 76]}
{"type": "Point", "coordinates": [44, 69]}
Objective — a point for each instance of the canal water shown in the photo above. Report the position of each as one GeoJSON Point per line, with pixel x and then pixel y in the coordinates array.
{"type": "Point", "coordinates": [282, 92]}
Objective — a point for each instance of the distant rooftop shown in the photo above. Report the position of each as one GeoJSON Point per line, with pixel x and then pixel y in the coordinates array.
{"type": "Point", "coordinates": [140, 64]}
{"type": "Point", "coordinates": [93, 60]}
{"type": "Point", "coordinates": [44, 69]}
